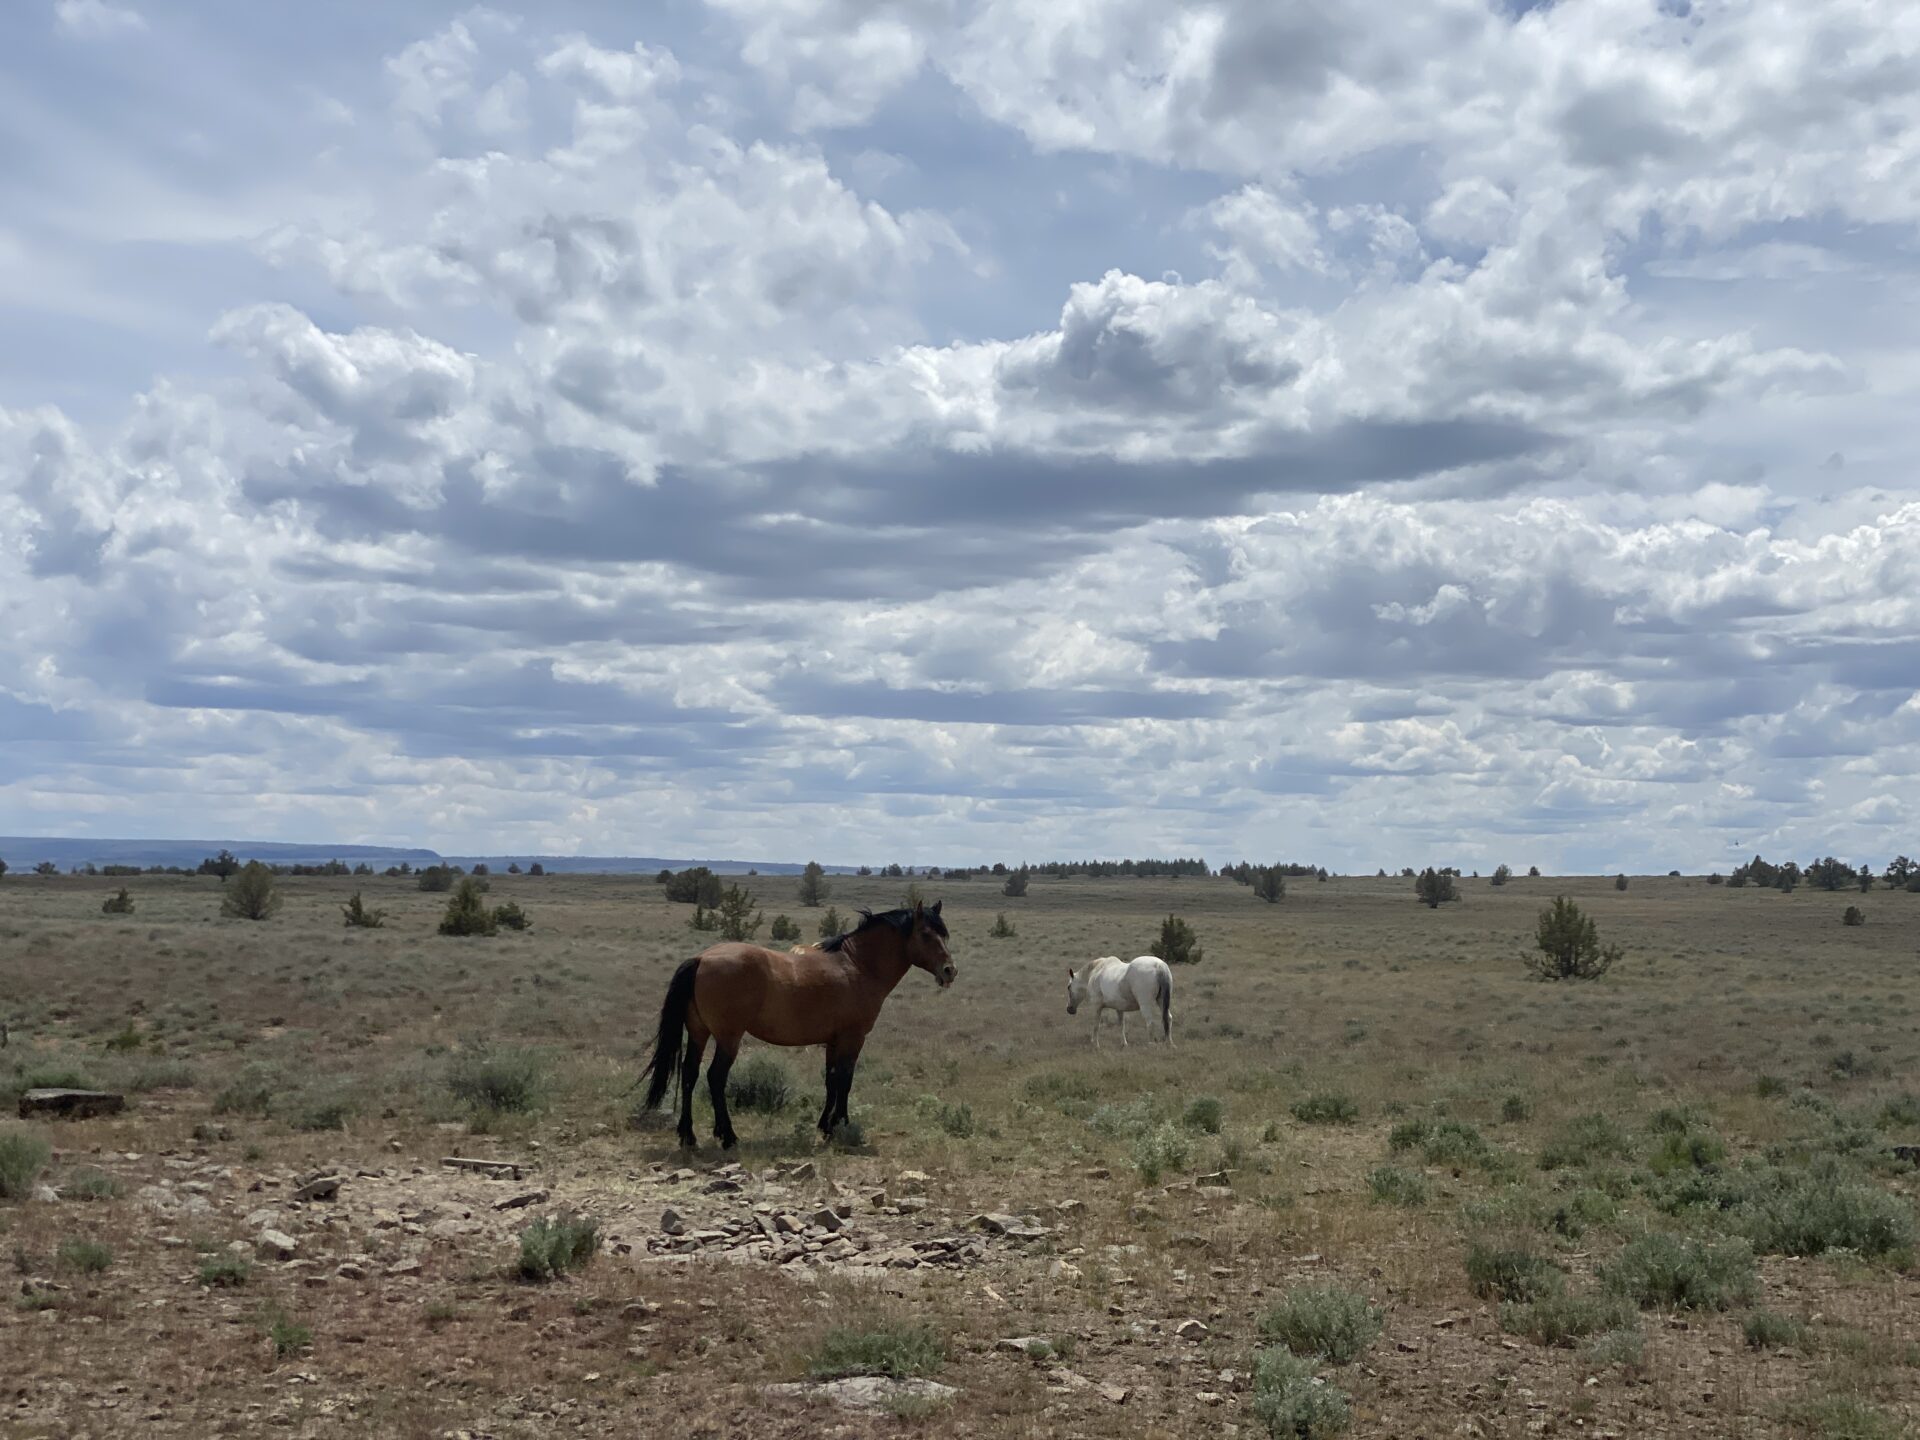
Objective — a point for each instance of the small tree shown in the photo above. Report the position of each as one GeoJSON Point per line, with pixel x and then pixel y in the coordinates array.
{"type": "Point", "coordinates": [783, 930]}
{"type": "Point", "coordinates": [697, 886]}
{"type": "Point", "coordinates": [704, 919]}
{"type": "Point", "coordinates": [252, 895]}
{"type": "Point", "coordinates": [1865, 878]}
{"type": "Point", "coordinates": [1853, 916]}
{"type": "Point", "coordinates": [513, 867]}
{"type": "Point", "coordinates": [1533, 872]}
{"type": "Point", "coordinates": [359, 917]}
{"type": "Point", "coordinates": [481, 868]}
{"type": "Point", "coordinates": [223, 865]}
{"type": "Point", "coordinates": [46, 867]}
{"type": "Point", "coordinates": [511, 917]}
{"type": "Point", "coordinates": [1619, 882]}
{"type": "Point", "coordinates": [1176, 943]}
{"type": "Point", "coordinates": [1269, 884]}
{"type": "Point", "coordinates": [536, 868]}
{"type": "Point", "coordinates": [1001, 929]}
{"type": "Point", "coordinates": [466, 914]}
{"type": "Point", "coordinates": [738, 919]}
{"type": "Point", "coordinates": [1716, 878]}
{"type": "Point", "coordinates": [1433, 887]}
{"type": "Point", "coordinates": [813, 885]}
{"type": "Point", "coordinates": [1569, 945]}
{"type": "Point", "coordinates": [3, 869]}
{"type": "Point", "coordinates": [1015, 884]}
{"type": "Point", "coordinates": [831, 924]}
{"type": "Point", "coordinates": [121, 904]}
{"type": "Point", "coordinates": [437, 879]}
{"type": "Point", "coordinates": [363, 868]}
{"type": "Point", "coordinates": [1501, 874]}
{"type": "Point", "coordinates": [1899, 870]}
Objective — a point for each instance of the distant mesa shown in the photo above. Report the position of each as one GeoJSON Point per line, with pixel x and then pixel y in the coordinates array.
{"type": "Point", "coordinates": [67, 852]}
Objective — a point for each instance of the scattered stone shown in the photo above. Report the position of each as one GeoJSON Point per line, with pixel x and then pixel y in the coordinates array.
{"type": "Point", "coordinates": [671, 1223]}
{"type": "Point", "coordinates": [639, 1309]}
{"type": "Point", "coordinates": [785, 1224]}
{"type": "Point", "coordinates": [868, 1392]}
{"type": "Point", "coordinates": [722, 1186]}
{"type": "Point", "coordinates": [802, 1171]}
{"type": "Point", "coordinates": [1099, 1172]}
{"type": "Point", "coordinates": [912, 1181]}
{"type": "Point", "coordinates": [1063, 1270]}
{"type": "Point", "coordinates": [911, 1204]}
{"type": "Point", "coordinates": [1070, 1207]}
{"type": "Point", "coordinates": [1036, 1347]}
{"type": "Point", "coordinates": [1220, 1179]}
{"type": "Point", "coordinates": [1211, 1397]}
{"type": "Point", "coordinates": [320, 1187]}
{"type": "Point", "coordinates": [351, 1270]}
{"type": "Point", "coordinates": [262, 1219]}
{"type": "Point", "coordinates": [46, 1194]}
{"type": "Point", "coordinates": [499, 1169]}
{"type": "Point", "coordinates": [878, 1199]}
{"type": "Point", "coordinates": [71, 1104]}
{"type": "Point", "coordinates": [276, 1244]}
{"type": "Point", "coordinates": [1116, 1393]}
{"type": "Point", "coordinates": [403, 1268]}
{"type": "Point", "coordinates": [1191, 1239]}
{"type": "Point", "coordinates": [520, 1201]}
{"type": "Point", "coordinates": [1191, 1330]}
{"type": "Point", "coordinates": [828, 1219]}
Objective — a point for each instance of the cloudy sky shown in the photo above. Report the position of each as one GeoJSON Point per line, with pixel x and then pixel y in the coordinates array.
{"type": "Point", "coordinates": [945, 430]}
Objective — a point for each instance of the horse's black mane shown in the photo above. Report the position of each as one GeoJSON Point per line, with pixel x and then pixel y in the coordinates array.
{"type": "Point", "coordinates": [900, 920]}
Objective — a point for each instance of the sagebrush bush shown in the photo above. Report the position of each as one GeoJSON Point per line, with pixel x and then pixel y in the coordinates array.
{"type": "Point", "coordinates": [90, 1184]}
{"type": "Point", "coordinates": [1583, 1140]}
{"type": "Point", "coordinates": [759, 1083]}
{"type": "Point", "coordinates": [1769, 1330]}
{"type": "Point", "coordinates": [1822, 1211]}
{"type": "Point", "coordinates": [1677, 1273]}
{"type": "Point", "coordinates": [1288, 1401]}
{"type": "Point", "coordinates": [1328, 1320]}
{"type": "Point", "coordinates": [1325, 1107]}
{"type": "Point", "coordinates": [1561, 1318]}
{"type": "Point", "coordinates": [89, 1257]}
{"type": "Point", "coordinates": [1160, 1149]}
{"type": "Point", "coordinates": [225, 1271]}
{"type": "Point", "coordinates": [511, 917]}
{"type": "Point", "coordinates": [251, 1092]}
{"type": "Point", "coordinates": [23, 1155]}
{"type": "Point", "coordinates": [1453, 1143]}
{"type": "Point", "coordinates": [1204, 1114]}
{"type": "Point", "coordinates": [556, 1245]}
{"type": "Point", "coordinates": [1393, 1186]}
{"type": "Point", "coordinates": [1001, 929]}
{"type": "Point", "coordinates": [895, 1349]}
{"type": "Point", "coordinates": [1505, 1271]}
{"type": "Point", "coordinates": [1625, 1348]}
{"type": "Point", "coordinates": [499, 1080]}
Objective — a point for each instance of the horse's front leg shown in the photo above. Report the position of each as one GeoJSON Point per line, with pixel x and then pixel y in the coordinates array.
{"type": "Point", "coordinates": [1123, 1028]}
{"type": "Point", "coordinates": [1099, 1013]}
{"type": "Point", "coordinates": [723, 1054]}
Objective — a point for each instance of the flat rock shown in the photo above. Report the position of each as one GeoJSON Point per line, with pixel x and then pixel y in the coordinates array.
{"type": "Point", "coordinates": [1192, 1330]}
{"type": "Point", "coordinates": [827, 1218]}
{"type": "Point", "coordinates": [509, 1169]}
{"type": "Point", "coordinates": [276, 1244]}
{"type": "Point", "coordinates": [868, 1392]}
{"type": "Point", "coordinates": [71, 1104]}
{"type": "Point", "coordinates": [46, 1194]}
{"type": "Point", "coordinates": [403, 1268]}
{"type": "Point", "coordinates": [520, 1201]}
{"type": "Point", "coordinates": [671, 1223]}
{"type": "Point", "coordinates": [1218, 1178]}
{"type": "Point", "coordinates": [320, 1187]}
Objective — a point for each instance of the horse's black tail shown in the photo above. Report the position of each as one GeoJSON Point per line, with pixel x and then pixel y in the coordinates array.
{"type": "Point", "coordinates": [1166, 1006]}
{"type": "Point", "coordinates": [671, 1042]}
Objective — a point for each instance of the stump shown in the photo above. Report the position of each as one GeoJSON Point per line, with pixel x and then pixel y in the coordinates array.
{"type": "Point", "coordinates": [71, 1104]}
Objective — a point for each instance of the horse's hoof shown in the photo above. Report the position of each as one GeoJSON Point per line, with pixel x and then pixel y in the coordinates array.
{"type": "Point", "coordinates": [727, 1142]}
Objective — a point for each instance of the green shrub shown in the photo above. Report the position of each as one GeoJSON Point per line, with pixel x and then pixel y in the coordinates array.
{"type": "Point", "coordinates": [738, 919]}
{"type": "Point", "coordinates": [1001, 929]}
{"type": "Point", "coordinates": [1767, 1087]}
{"type": "Point", "coordinates": [288, 1336]}
{"type": "Point", "coordinates": [322, 1108]}
{"type": "Point", "coordinates": [499, 1081]}
{"type": "Point", "coordinates": [1393, 1186]}
{"type": "Point", "coordinates": [1515, 1108]}
{"type": "Point", "coordinates": [1325, 1107]}
{"type": "Point", "coordinates": [23, 1155]}
{"type": "Point", "coordinates": [895, 1349]}
{"type": "Point", "coordinates": [1585, 1207]}
{"type": "Point", "coordinates": [1668, 1271]}
{"type": "Point", "coordinates": [89, 1257]}
{"type": "Point", "coordinates": [1844, 1417]}
{"type": "Point", "coordinates": [1159, 1149]}
{"type": "Point", "coordinates": [1290, 1404]}
{"type": "Point", "coordinates": [783, 931]}
{"type": "Point", "coordinates": [1851, 916]}
{"type": "Point", "coordinates": [1694, 1150]}
{"type": "Point", "coordinates": [225, 1271]}
{"type": "Point", "coordinates": [1177, 943]}
{"type": "Point", "coordinates": [1569, 944]}
{"type": "Point", "coordinates": [251, 1092]}
{"type": "Point", "coordinates": [121, 904]}
{"type": "Point", "coordinates": [250, 894]}
{"type": "Point", "coordinates": [1562, 1318]}
{"type": "Point", "coordinates": [1510, 1272]}
{"type": "Point", "coordinates": [465, 914]}
{"type": "Point", "coordinates": [759, 1083]}
{"type": "Point", "coordinates": [436, 879]}
{"type": "Point", "coordinates": [1583, 1140]}
{"type": "Point", "coordinates": [1623, 1347]}
{"type": "Point", "coordinates": [1821, 1211]}
{"type": "Point", "coordinates": [1203, 1115]}
{"type": "Point", "coordinates": [849, 1134]}
{"type": "Point", "coordinates": [1769, 1330]}
{"type": "Point", "coordinates": [956, 1120]}
{"type": "Point", "coordinates": [359, 917]}
{"type": "Point", "coordinates": [552, 1246]}
{"type": "Point", "coordinates": [1330, 1321]}
{"type": "Point", "coordinates": [90, 1184]}
{"type": "Point", "coordinates": [511, 917]}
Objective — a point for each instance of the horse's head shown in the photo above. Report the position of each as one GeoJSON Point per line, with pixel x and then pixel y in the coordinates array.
{"type": "Point", "coordinates": [1076, 988]}
{"type": "Point", "coordinates": [927, 944]}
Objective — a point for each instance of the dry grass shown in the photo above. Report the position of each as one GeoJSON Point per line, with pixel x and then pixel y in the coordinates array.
{"type": "Point", "coordinates": [1347, 1003]}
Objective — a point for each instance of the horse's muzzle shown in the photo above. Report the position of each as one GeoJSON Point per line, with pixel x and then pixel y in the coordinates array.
{"type": "Point", "coordinates": [946, 976]}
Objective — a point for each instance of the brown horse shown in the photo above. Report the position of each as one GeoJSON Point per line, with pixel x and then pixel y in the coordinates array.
{"type": "Point", "coordinates": [826, 995]}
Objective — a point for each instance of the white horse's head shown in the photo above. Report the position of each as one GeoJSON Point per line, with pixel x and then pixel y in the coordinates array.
{"type": "Point", "coordinates": [1078, 982]}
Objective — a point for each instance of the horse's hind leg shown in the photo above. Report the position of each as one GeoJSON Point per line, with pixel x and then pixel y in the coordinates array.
{"type": "Point", "coordinates": [723, 1053]}
{"type": "Point", "coordinates": [689, 1077]}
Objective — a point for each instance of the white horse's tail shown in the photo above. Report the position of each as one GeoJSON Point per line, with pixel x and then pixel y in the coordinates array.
{"type": "Point", "coordinates": [1165, 987]}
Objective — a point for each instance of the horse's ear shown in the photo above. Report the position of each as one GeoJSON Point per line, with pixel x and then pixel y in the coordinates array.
{"type": "Point", "coordinates": [936, 907]}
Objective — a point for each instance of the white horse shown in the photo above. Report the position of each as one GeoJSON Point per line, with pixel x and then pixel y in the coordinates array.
{"type": "Point", "coordinates": [1110, 983]}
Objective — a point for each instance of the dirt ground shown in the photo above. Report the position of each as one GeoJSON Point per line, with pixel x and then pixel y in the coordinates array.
{"type": "Point", "coordinates": [1128, 1218]}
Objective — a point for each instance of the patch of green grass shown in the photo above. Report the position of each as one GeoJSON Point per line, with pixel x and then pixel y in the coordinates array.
{"type": "Point", "coordinates": [895, 1349]}
{"type": "Point", "coordinates": [1393, 1186]}
{"type": "Point", "coordinates": [553, 1246]}
{"type": "Point", "coordinates": [1687, 1150]}
{"type": "Point", "coordinates": [288, 1335]}
{"type": "Point", "coordinates": [498, 1080]}
{"type": "Point", "coordinates": [90, 1184]}
{"type": "Point", "coordinates": [1452, 1143]}
{"type": "Point", "coordinates": [225, 1271]}
{"type": "Point", "coordinates": [1511, 1272]}
{"type": "Point", "coordinates": [759, 1084]}
{"type": "Point", "coordinates": [1325, 1107]}
{"type": "Point", "coordinates": [1821, 1212]}
{"type": "Point", "coordinates": [1672, 1272]}
{"type": "Point", "coordinates": [1515, 1108]}
{"type": "Point", "coordinates": [1330, 1321]}
{"type": "Point", "coordinates": [1624, 1348]}
{"type": "Point", "coordinates": [955, 1119]}
{"type": "Point", "coordinates": [1560, 1319]}
{"type": "Point", "coordinates": [1770, 1330]}
{"type": "Point", "coordinates": [1288, 1401]}
{"type": "Point", "coordinates": [322, 1109]}
{"type": "Point", "coordinates": [1160, 1149]}
{"type": "Point", "coordinates": [1204, 1115]}
{"type": "Point", "coordinates": [251, 1092]}
{"type": "Point", "coordinates": [1843, 1417]}
{"type": "Point", "coordinates": [23, 1155]}
{"type": "Point", "coordinates": [89, 1257]}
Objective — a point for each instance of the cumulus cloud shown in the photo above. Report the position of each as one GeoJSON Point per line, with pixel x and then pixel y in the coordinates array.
{"type": "Point", "coordinates": [96, 19]}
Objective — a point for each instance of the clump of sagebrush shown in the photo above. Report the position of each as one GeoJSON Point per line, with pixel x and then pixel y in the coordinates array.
{"type": "Point", "coordinates": [251, 1092]}
{"type": "Point", "coordinates": [323, 1107]}
{"type": "Point", "coordinates": [498, 1080]}
{"type": "Point", "coordinates": [892, 1348]}
{"type": "Point", "coordinates": [1160, 1149]}
{"type": "Point", "coordinates": [89, 1257]}
{"type": "Point", "coordinates": [1001, 929]}
{"type": "Point", "coordinates": [359, 917]}
{"type": "Point", "coordinates": [225, 1271]}
{"type": "Point", "coordinates": [1583, 1140]}
{"type": "Point", "coordinates": [555, 1245]}
{"type": "Point", "coordinates": [1204, 1114]}
{"type": "Point", "coordinates": [122, 904]}
{"type": "Point", "coordinates": [1559, 1318]}
{"type": "Point", "coordinates": [760, 1083]}
{"type": "Point", "coordinates": [288, 1336]}
{"type": "Point", "coordinates": [1291, 1403]}
{"type": "Point", "coordinates": [1394, 1186]}
{"type": "Point", "coordinates": [1325, 1107]}
{"type": "Point", "coordinates": [1677, 1273]}
{"type": "Point", "coordinates": [1453, 1143]}
{"type": "Point", "coordinates": [466, 913]}
{"type": "Point", "coordinates": [1498, 1271]}
{"type": "Point", "coordinates": [250, 893]}
{"type": "Point", "coordinates": [23, 1155]}
{"type": "Point", "coordinates": [1852, 915]}
{"type": "Point", "coordinates": [1769, 1330]}
{"type": "Point", "coordinates": [90, 1184]}
{"type": "Point", "coordinates": [1177, 944]}
{"type": "Point", "coordinates": [1825, 1210]}
{"type": "Point", "coordinates": [511, 917]}
{"type": "Point", "coordinates": [1330, 1321]}
{"type": "Point", "coordinates": [1569, 945]}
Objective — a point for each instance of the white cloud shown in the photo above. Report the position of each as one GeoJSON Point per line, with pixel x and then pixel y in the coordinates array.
{"type": "Point", "coordinates": [96, 19]}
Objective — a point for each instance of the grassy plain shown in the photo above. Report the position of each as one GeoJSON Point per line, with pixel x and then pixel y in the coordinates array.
{"type": "Point", "coordinates": [1544, 1195]}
